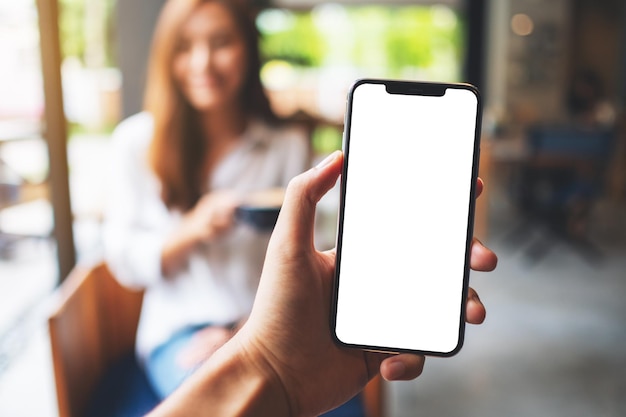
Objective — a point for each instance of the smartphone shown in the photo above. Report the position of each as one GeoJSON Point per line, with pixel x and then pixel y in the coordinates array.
{"type": "Point", "coordinates": [411, 152]}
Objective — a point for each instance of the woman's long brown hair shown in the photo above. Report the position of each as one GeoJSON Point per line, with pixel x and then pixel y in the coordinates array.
{"type": "Point", "coordinates": [177, 151]}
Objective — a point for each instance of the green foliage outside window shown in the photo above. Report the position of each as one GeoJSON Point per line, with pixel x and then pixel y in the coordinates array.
{"type": "Point", "coordinates": [71, 27]}
{"type": "Point", "coordinates": [383, 39]}
{"type": "Point", "coordinates": [86, 31]}
{"type": "Point", "coordinates": [299, 43]}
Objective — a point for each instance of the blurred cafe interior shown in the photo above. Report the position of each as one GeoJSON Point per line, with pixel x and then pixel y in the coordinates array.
{"type": "Point", "coordinates": [552, 76]}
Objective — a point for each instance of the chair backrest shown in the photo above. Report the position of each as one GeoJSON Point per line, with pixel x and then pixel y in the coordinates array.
{"type": "Point", "coordinates": [92, 327]}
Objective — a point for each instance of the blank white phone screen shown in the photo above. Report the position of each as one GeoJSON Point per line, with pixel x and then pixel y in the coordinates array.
{"type": "Point", "coordinates": [405, 222]}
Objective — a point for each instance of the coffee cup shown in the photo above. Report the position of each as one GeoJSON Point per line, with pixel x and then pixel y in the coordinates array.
{"type": "Point", "coordinates": [260, 209]}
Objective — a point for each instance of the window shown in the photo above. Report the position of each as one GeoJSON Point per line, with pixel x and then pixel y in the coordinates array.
{"type": "Point", "coordinates": [312, 56]}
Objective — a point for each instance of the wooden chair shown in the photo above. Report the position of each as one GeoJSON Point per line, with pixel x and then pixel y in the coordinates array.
{"type": "Point", "coordinates": [94, 327]}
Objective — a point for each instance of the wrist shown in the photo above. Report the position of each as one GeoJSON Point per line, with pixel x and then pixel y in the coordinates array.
{"type": "Point", "coordinates": [234, 382]}
{"type": "Point", "coordinates": [178, 247]}
{"type": "Point", "coordinates": [192, 231]}
{"type": "Point", "coordinates": [271, 397]}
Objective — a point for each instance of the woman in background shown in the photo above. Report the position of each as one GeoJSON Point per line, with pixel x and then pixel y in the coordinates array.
{"type": "Point", "coordinates": [207, 138]}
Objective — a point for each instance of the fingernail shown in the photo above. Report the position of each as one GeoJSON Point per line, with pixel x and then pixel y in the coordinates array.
{"type": "Point", "coordinates": [397, 370]}
{"type": "Point", "coordinates": [330, 158]}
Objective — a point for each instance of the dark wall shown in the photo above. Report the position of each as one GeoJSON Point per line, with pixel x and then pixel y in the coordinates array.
{"type": "Point", "coordinates": [135, 23]}
{"type": "Point", "coordinates": [474, 60]}
{"type": "Point", "coordinates": [597, 41]}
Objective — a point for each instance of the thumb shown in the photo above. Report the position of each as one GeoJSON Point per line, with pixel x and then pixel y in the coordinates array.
{"type": "Point", "coordinates": [297, 215]}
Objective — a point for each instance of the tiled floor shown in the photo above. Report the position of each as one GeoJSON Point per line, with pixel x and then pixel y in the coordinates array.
{"type": "Point", "coordinates": [552, 345]}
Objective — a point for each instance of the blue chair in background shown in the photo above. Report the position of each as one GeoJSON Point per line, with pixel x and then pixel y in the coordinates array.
{"type": "Point", "coordinates": [558, 185]}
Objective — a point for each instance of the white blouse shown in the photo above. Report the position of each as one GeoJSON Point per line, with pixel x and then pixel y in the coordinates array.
{"type": "Point", "coordinates": [219, 284]}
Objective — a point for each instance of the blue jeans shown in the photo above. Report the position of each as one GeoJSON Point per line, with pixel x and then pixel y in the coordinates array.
{"type": "Point", "coordinates": [161, 367]}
